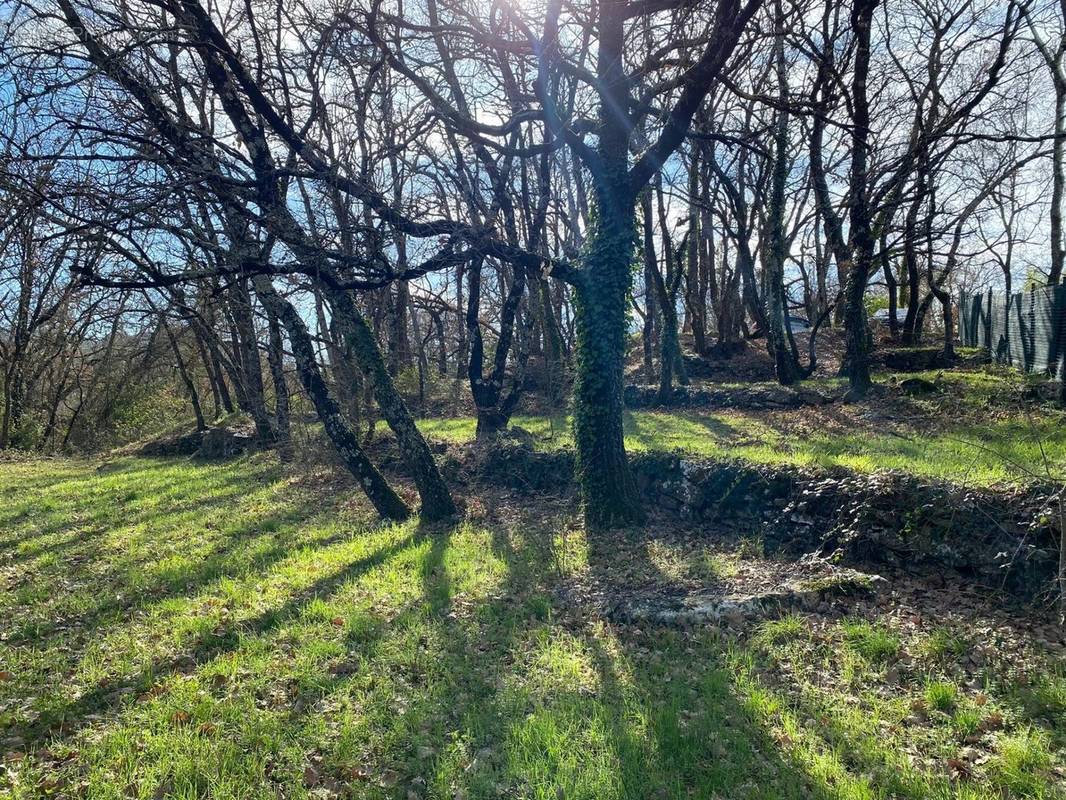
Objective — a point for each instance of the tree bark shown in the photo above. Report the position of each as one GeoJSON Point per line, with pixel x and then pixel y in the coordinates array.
{"type": "Point", "coordinates": [778, 339]}
{"type": "Point", "coordinates": [1058, 180]}
{"type": "Point", "coordinates": [437, 501]}
{"type": "Point", "coordinates": [856, 366]}
{"type": "Point", "coordinates": [276, 360]}
{"type": "Point", "coordinates": [609, 491]}
{"type": "Point", "coordinates": [387, 503]}
{"type": "Point", "coordinates": [251, 369]}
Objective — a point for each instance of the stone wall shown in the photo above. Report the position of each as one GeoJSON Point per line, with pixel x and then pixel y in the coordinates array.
{"type": "Point", "coordinates": [755, 397]}
{"type": "Point", "coordinates": [1000, 538]}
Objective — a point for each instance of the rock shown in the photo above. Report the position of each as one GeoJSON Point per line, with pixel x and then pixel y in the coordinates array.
{"type": "Point", "coordinates": [764, 396]}
{"type": "Point", "coordinates": [735, 611]}
{"type": "Point", "coordinates": [224, 443]}
{"type": "Point", "coordinates": [918, 386]}
{"type": "Point", "coordinates": [185, 445]}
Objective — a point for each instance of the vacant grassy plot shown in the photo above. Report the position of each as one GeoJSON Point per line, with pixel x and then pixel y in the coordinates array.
{"type": "Point", "coordinates": [169, 629]}
{"type": "Point", "coordinates": [1002, 451]}
{"type": "Point", "coordinates": [974, 430]}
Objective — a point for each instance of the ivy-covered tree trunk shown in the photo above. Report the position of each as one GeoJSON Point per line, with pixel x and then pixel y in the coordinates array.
{"type": "Point", "coordinates": [437, 501]}
{"type": "Point", "coordinates": [387, 503]}
{"type": "Point", "coordinates": [609, 492]}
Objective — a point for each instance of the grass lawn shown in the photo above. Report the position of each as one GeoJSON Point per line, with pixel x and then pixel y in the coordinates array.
{"type": "Point", "coordinates": [172, 629]}
{"type": "Point", "coordinates": [964, 435]}
{"type": "Point", "coordinates": [1004, 451]}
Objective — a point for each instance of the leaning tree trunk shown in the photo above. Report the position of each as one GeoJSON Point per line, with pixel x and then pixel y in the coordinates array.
{"type": "Point", "coordinates": [186, 378]}
{"type": "Point", "coordinates": [437, 501]}
{"type": "Point", "coordinates": [345, 440]}
{"type": "Point", "coordinates": [609, 492]}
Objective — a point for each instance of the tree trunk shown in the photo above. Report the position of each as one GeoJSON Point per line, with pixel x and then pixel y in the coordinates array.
{"type": "Point", "coordinates": [190, 385]}
{"type": "Point", "coordinates": [1058, 183]}
{"type": "Point", "coordinates": [696, 273]}
{"type": "Point", "coordinates": [650, 308]}
{"type": "Point", "coordinates": [14, 400]}
{"type": "Point", "coordinates": [436, 499]}
{"type": "Point", "coordinates": [892, 287]}
{"type": "Point", "coordinates": [778, 338]}
{"type": "Point", "coordinates": [609, 492]}
{"type": "Point", "coordinates": [276, 360]}
{"type": "Point", "coordinates": [910, 257]}
{"type": "Point", "coordinates": [387, 503]}
{"type": "Point", "coordinates": [212, 379]}
{"type": "Point", "coordinates": [248, 352]}
{"type": "Point", "coordinates": [856, 366]}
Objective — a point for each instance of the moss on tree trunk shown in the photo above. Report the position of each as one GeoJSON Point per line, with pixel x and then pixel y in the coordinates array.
{"type": "Point", "coordinates": [437, 501]}
{"type": "Point", "coordinates": [387, 503]}
{"type": "Point", "coordinates": [609, 491]}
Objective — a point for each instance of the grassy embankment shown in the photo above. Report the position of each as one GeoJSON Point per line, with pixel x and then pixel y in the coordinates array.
{"type": "Point", "coordinates": [172, 629]}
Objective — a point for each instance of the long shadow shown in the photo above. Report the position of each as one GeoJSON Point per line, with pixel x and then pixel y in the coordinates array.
{"type": "Point", "coordinates": [706, 739]}
{"type": "Point", "coordinates": [61, 723]}
{"type": "Point", "coordinates": [225, 558]}
{"type": "Point", "coordinates": [84, 536]}
{"type": "Point", "coordinates": [232, 553]}
{"type": "Point", "coordinates": [667, 735]}
{"type": "Point", "coordinates": [222, 561]}
{"type": "Point", "coordinates": [478, 657]}
{"type": "Point", "coordinates": [67, 496]}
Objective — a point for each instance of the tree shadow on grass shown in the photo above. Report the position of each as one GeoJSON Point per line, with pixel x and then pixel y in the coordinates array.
{"type": "Point", "coordinates": [672, 429]}
{"type": "Point", "coordinates": [62, 722]}
{"type": "Point", "coordinates": [483, 677]}
{"type": "Point", "coordinates": [81, 504]}
{"type": "Point", "coordinates": [231, 554]}
{"type": "Point", "coordinates": [529, 697]}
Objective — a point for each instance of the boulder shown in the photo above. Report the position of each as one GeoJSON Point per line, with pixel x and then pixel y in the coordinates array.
{"type": "Point", "coordinates": [225, 443]}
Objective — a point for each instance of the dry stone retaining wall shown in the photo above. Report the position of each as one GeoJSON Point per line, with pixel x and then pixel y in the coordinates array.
{"type": "Point", "coordinates": [1002, 538]}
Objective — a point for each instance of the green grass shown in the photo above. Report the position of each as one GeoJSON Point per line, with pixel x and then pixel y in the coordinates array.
{"type": "Point", "coordinates": [873, 642]}
{"type": "Point", "coordinates": [941, 695]}
{"type": "Point", "coordinates": [944, 643]}
{"type": "Point", "coordinates": [173, 629]}
{"type": "Point", "coordinates": [1007, 451]}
